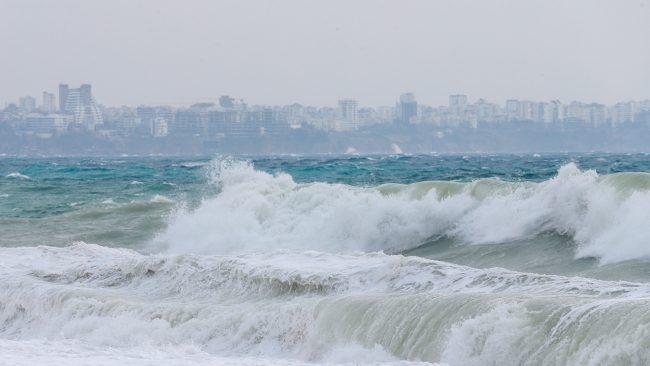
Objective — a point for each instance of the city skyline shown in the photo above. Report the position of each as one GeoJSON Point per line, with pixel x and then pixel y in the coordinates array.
{"type": "Point", "coordinates": [230, 117]}
{"type": "Point", "coordinates": [334, 103]}
{"type": "Point", "coordinates": [537, 50]}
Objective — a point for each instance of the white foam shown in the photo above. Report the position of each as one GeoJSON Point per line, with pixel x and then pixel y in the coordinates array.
{"type": "Point", "coordinates": [69, 353]}
{"type": "Point", "coordinates": [311, 307]}
{"type": "Point", "coordinates": [161, 199]}
{"type": "Point", "coordinates": [605, 222]}
{"type": "Point", "coordinates": [18, 175]}
{"type": "Point", "coordinates": [365, 308]}
{"type": "Point", "coordinates": [194, 164]}
{"type": "Point", "coordinates": [258, 211]}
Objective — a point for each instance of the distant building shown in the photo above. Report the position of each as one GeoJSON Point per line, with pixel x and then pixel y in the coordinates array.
{"type": "Point", "coordinates": [521, 110]}
{"type": "Point", "coordinates": [457, 100]}
{"type": "Point", "coordinates": [512, 108]}
{"type": "Point", "coordinates": [159, 127]}
{"type": "Point", "coordinates": [623, 113]}
{"type": "Point", "coordinates": [543, 112]}
{"type": "Point", "coordinates": [63, 96]}
{"type": "Point", "coordinates": [558, 111]}
{"type": "Point", "coordinates": [295, 114]}
{"type": "Point", "coordinates": [577, 112]}
{"type": "Point", "coordinates": [51, 123]}
{"type": "Point", "coordinates": [49, 103]}
{"type": "Point", "coordinates": [147, 115]}
{"type": "Point", "coordinates": [525, 110]}
{"type": "Point", "coordinates": [190, 122]}
{"type": "Point", "coordinates": [80, 104]}
{"type": "Point", "coordinates": [407, 108]}
{"type": "Point", "coordinates": [596, 114]}
{"type": "Point", "coordinates": [486, 112]}
{"type": "Point", "coordinates": [27, 104]}
{"type": "Point", "coordinates": [226, 101]}
{"type": "Point", "coordinates": [349, 110]}
{"type": "Point", "coordinates": [457, 106]}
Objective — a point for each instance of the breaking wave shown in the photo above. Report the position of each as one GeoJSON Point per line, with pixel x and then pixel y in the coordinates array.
{"type": "Point", "coordinates": [605, 216]}
{"type": "Point", "coordinates": [272, 271]}
{"type": "Point", "coordinates": [317, 306]}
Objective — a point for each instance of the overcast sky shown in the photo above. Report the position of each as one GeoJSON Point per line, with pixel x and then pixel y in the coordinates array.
{"type": "Point", "coordinates": [315, 52]}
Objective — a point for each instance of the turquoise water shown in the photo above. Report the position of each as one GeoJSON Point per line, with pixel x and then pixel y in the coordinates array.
{"type": "Point", "coordinates": [476, 259]}
{"type": "Point", "coordinates": [125, 201]}
{"type": "Point", "coordinates": [62, 185]}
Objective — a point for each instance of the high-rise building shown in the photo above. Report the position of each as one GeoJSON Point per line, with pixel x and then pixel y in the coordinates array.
{"type": "Point", "coordinates": [457, 105]}
{"type": "Point", "coordinates": [407, 108]}
{"type": "Point", "coordinates": [63, 96]}
{"type": "Point", "coordinates": [543, 112]}
{"type": "Point", "coordinates": [596, 114]}
{"type": "Point", "coordinates": [49, 102]}
{"type": "Point", "coordinates": [457, 100]}
{"type": "Point", "coordinates": [349, 110]}
{"type": "Point", "coordinates": [512, 108]}
{"type": "Point", "coordinates": [85, 91]}
{"type": "Point", "coordinates": [159, 127]}
{"type": "Point", "coordinates": [27, 104]}
{"type": "Point", "coordinates": [81, 105]}
{"type": "Point", "coordinates": [623, 112]}
{"type": "Point", "coordinates": [577, 112]}
{"type": "Point", "coordinates": [557, 109]}
{"type": "Point", "coordinates": [486, 112]}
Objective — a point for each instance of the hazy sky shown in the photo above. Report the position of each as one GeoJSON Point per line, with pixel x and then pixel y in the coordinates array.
{"type": "Point", "coordinates": [315, 52]}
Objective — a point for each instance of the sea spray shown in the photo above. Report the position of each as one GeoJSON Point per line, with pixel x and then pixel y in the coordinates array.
{"type": "Point", "coordinates": [307, 306]}
{"type": "Point", "coordinates": [314, 260]}
{"type": "Point", "coordinates": [255, 211]}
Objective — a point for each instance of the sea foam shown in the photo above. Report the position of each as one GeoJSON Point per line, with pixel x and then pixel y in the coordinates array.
{"type": "Point", "coordinates": [18, 175]}
{"type": "Point", "coordinates": [257, 211]}
{"type": "Point", "coordinates": [313, 307]}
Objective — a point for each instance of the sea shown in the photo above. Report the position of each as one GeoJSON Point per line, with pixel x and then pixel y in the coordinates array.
{"type": "Point", "coordinates": [535, 259]}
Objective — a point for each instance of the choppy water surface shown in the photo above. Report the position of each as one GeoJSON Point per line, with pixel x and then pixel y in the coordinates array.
{"type": "Point", "coordinates": [292, 260]}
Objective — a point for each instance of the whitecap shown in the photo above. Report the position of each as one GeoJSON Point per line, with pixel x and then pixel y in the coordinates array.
{"type": "Point", "coordinates": [255, 210]}
{"type": "Point", "coordinates": [17, 175]}
{"type": "Point", "coordinates": [193, 164]}
{"type": "Point", "coordinates": [161, 199]}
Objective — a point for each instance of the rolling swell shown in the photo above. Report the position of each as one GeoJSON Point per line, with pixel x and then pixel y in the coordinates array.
{"type": "Point", "coordinates": [603, 215]}
{"type": "Point", "coordinates": [276, 269]}
{"type": "Point", "coordinates": [307, 304]}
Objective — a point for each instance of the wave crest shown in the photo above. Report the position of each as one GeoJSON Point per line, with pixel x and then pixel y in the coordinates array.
{"type": "Point", "coordinates": [257, 211]}
{"type": "Point", "coordinates": [413, 308]}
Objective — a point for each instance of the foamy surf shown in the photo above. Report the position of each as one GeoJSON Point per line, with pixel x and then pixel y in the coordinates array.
{"type": "Point", "coordinates": [308, 307]}
{"type": "Point", "coordinates": [260, 267]}
{"type": "Point", "coordinates": [29, 353]}
{"type": "Point", "coordinates": [255, 211]}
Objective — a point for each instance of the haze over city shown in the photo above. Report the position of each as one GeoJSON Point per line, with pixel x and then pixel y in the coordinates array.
{"type": "Point", "coordinates": [315, 53]}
